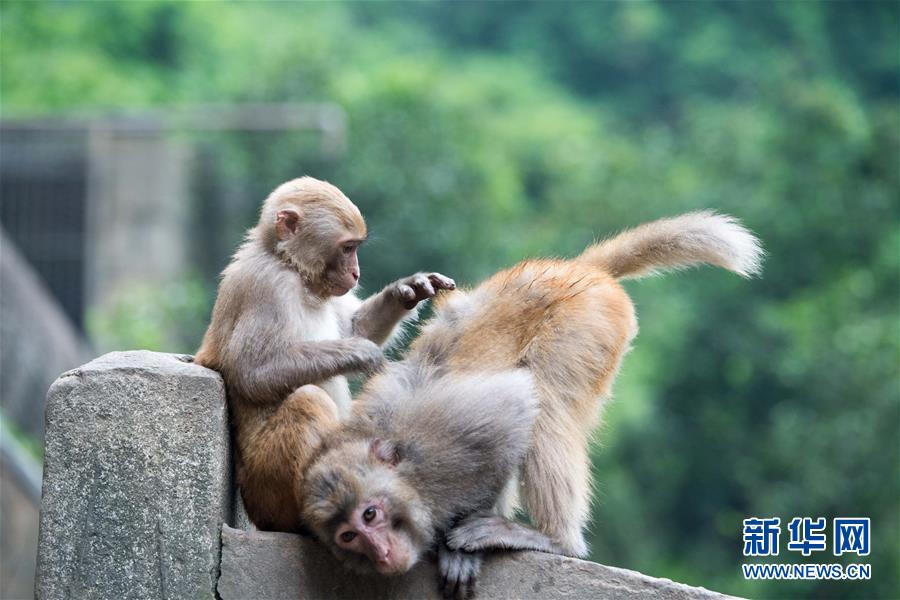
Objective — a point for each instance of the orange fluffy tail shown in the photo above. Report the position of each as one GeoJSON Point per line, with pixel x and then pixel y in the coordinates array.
{"type": "Point", "coordinates": [676, 243]}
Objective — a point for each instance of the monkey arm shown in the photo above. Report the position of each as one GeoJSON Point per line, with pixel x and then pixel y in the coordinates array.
{"type": "Point", "coordinates": [377, 317]}
{"type": "Point", "coordinates": [272, 377]}
{"type": "Point", "coordinates": [485, 531]}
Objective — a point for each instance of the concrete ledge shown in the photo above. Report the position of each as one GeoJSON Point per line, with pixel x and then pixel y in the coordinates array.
{"type": "Point", "coordinates": [258, 564]}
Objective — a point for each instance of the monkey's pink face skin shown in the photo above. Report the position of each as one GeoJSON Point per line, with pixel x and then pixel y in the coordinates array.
{"type": "Point", "coordinates": [369, 531]}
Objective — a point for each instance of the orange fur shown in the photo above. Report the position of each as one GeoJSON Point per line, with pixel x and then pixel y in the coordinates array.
{"type": "Point", "coordinates": [273, 453]}
{"type": "Point", "coordinates": [570, 323]}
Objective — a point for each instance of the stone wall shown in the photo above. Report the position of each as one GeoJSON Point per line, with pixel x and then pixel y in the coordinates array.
{"type": "Point", "coordinates": [137, 498]}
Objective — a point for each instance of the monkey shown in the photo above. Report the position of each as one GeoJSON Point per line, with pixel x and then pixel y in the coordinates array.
{"type": "Point", "coordinates": [286, 328]}
{"type": "Point", "coordinates": [503, 384]}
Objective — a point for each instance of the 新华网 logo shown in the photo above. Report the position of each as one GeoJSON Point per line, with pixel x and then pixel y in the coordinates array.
{"type": "Point", "coordinates": [807, 535]}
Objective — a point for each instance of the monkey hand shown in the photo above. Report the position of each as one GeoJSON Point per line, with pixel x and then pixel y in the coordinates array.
{"type": "Point", "coordinates": [366, 355]}
{"type": "Point", "coordinates": [458, 572]}
{"type": "Point", "coordinates": [421, 286]}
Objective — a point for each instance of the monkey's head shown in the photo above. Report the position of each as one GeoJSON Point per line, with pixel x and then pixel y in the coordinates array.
{"type": "Point", "coordinates": [314, 227]}
{"type": "Point", "coordinates": [361, 509]}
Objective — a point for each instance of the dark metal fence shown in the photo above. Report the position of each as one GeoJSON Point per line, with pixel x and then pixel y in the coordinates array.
{"type": "Point", "coordinates": [43, 185]}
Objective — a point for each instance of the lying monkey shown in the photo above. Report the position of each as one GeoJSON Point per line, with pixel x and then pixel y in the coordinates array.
{"type": "Point", "coordinates": [503, 383]}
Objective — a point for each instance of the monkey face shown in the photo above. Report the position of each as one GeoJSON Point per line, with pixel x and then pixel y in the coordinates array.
{"type": "Point", "coordinates": [318, 230]}
{"type": "Point", "coordinates": [323, 248]}
{"type": "Point", "coordinates": [362, 510]}
{"type": "Point", "coordinates": [371, 531]}
{"type": "Point", "coordinates": [342, 267]}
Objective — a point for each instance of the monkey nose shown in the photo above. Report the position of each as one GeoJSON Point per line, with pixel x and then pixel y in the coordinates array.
{"type": "Point", "coordinates": [355, 275]}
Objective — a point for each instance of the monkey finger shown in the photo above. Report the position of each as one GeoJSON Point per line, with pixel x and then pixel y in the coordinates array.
{"type": "Point", "coordinates": [424, 289]}
{"type": "Point", "coordinates": [449, 584]}
{"type": "Point", "coordinates": [469, 591]}
{"type": "Point", "coordinates": [441, 282]}
{"type": "Point", "coordinates": [450, 566]}
{"type": "Point", "coordinates": [471, 567]}
{"type": "Point", "coordinates": [406, 292]}
{"type": "Point", "coordinates": [407, 296]}
{"type": "Point", "coordinates": [463, 589]}
{"type": "Point", "coordinates": [459, 572]}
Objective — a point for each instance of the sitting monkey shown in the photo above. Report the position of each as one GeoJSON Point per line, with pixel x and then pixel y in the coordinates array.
{"type": "Point", "coordinates": [285, 329]}
{"type": "Point", "coordinates": [504, 383]}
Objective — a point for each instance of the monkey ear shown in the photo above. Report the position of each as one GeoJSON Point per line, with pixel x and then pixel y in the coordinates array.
{"type": "Point", "coordinates": [386, 452]}
{"type": "Point", "coordinates": [286, 222]}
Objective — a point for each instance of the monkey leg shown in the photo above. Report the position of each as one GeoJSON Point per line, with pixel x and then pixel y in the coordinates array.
{"type": "Point", "coordinates": [485, 531]}
{"type": "Point", "coordinates": [275, 452]}
{"type": "Point", "coordinates": [556, 477]}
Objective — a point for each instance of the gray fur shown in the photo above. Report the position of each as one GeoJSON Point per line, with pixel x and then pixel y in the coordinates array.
{"type": "Point", "coordinates": [473, 429]}
{"type": "Point", "coordinates": [459, 572]}
{"type": "Point", "coordinates": [490, 531]}
{"type": "Point", "coordinates": [307, 362]}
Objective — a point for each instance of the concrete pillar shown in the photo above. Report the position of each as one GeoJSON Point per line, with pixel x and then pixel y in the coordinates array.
{"type": "Point", "coordinates": [137, 480]}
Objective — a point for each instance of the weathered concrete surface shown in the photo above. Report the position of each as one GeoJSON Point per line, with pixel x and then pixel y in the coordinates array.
{"type": "Point", "coordinates": [137, 480]}
{"type": "Point", "coordinates": [267, 565]}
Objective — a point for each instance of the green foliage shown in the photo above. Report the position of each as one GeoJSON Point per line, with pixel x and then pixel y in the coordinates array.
{"type": "Point", "coordinates": [167, 318]}
{"type": "Point", "coordinates": [485, 132]}
{"type": "Point", "coordinates": [31, 446]}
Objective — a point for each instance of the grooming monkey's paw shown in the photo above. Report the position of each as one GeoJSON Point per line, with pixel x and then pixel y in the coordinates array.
{"type": "Point", "coordinates": [458, 572]}
{"type": "Point", "coordinates": [368, 356]}
{"type": "Point", "coordinates": [421, 286]}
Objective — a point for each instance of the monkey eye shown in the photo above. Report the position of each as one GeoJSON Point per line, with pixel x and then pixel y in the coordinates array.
{"type": "Point", "coordinates": [348, 249]}
{"type": "Point", "coordinates": [369, 514]}
{"type": "Point", "coordinates": [348, 536]}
